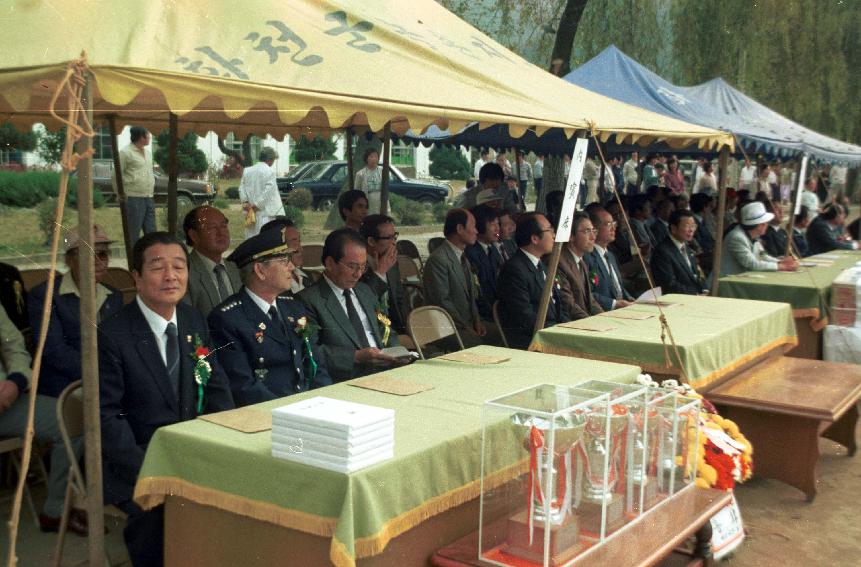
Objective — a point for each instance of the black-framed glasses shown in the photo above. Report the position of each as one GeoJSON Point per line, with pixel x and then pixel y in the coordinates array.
{"type": "Point", "coordinates": [392, 237]}
{"type": "Point", "coordinates": [588, 231]}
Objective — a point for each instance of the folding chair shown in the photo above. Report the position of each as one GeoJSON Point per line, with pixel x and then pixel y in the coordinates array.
{"type": "Point", "coordinates": [434, 243]}
{"type": "Point", "coordinates": [409, 248]}
{"type": "Point", "coordinates": [33, 277]}
{"type": "Point", "coordinates": [123, 281]}
{"type": "Point", "coordinates": [499, 323]}
{"type": "Point", "coordinates": [14, 446]}
{"type": "Point", "coordinates": [428, 324]}
{"type": "Point", "coordinates": [312, 255]}
{"type": "Point", "coordinates": [70, 418]}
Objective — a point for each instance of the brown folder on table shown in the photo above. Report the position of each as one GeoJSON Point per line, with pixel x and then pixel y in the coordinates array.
{"type": "Point", "coordinates": [246, 420]}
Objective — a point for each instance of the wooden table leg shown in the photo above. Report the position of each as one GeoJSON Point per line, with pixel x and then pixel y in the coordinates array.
{"type": "Point", "coordinates": [703, 546]}
{"type": "Point", "coordinates": [843, 430]}
{"type": "Point", "coordinates": [785, 448]}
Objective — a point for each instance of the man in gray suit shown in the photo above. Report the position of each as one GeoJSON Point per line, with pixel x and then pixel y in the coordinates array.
{"type": "Point", "coordinates": [448, 280]}
{"type": "Point", "coordinates": [211, 279]}
{"type": "Point", "coordinates": [353, 328]}
{"type": "Point", "coordinates": [742, 251]}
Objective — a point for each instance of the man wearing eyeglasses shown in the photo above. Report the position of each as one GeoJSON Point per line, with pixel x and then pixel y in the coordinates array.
{"type": "Point", "coordinates": [211, 279]}
{"type": "Point", "coordinates": [258, 336]}
{"type": "Point", "coordinates": [61, 363]}
{"type": "Point", "coordinates": [353, 331]}
{"type": "Point", "coordinates": [609, 290]}
{"type": "Point", "coordinates": [383, 275]}
{"type": "Point", "coordinates": [522, 281]}
{"type": "Point", "coordinates": [578, 280]}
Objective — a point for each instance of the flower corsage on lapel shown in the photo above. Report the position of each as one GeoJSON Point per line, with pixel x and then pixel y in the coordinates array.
{"type": "Point", "coordinates": [305, 331]}
{"type": "Point", "coordinates": [593, 277]}
{"type": "Point", "coordinates": [202, 370]}
{"type": "Point", "coordinates": [387, 325]}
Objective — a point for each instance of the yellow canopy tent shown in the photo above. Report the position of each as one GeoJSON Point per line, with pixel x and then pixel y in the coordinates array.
{"type": "Point", "coordinates": [270, 66]}
{"type": "Point", "coordinates": [292, 67]}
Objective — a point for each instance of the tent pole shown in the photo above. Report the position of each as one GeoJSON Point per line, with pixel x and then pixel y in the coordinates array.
{"type": "Point", "coordinates": [89, 343]}
{"type": "Point", "coordinates": [517, 173]}
{"type": "Point", "coordinates": [601, 178]}
{"type": "Point", "coordinates": [173, 172]}
{"type": "Point", "coordinates": [791, 223]}
{"type": "Point", "coordinates": [723, 165]}
{"type": "Point", "coordinates": [384, 188]}
{"type": "Point", "coordinates": [121, 190]}
{"type": "Point", "coordinates": [351, 168]}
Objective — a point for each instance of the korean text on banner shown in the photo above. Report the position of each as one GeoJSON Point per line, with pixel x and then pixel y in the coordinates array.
{"type": "Point", "coordinates": [801, 181]}
{"type": "Point", "coordinates": [572, 190]}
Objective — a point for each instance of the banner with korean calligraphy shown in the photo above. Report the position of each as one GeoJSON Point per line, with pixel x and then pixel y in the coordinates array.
{"type": "Point", "coordinates": [303, 66]}
{"type": "Point", "coordinates": [572, 190]}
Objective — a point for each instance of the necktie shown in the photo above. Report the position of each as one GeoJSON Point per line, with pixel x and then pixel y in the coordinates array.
{"type": "Point", "coordinates": [617, 288]}
{"type": "Point", "coordinates": [172, 356]}
{"type": "Point", "coordinates": [220, 281]}
{"type": "Point", "coordinates": [495, 259]}
{"type": "Point", "coordinates": [355, 320]}
{"type": "Point", "coordinates": [276, 318]}
{"type": "Point", "coordinates": [503, 252]}
{"type": "Point", "coordinates": [467, 273]}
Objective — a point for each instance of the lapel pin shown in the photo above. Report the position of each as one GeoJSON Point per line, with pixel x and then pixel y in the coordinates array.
{"type": "Point", "coordinates": [188, 338]}
{"type": "Point", "coordinates": [262, 326]}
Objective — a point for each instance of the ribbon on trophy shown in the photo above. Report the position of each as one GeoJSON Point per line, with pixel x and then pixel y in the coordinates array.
{"type": "Point", "coordinates": [563, 479]}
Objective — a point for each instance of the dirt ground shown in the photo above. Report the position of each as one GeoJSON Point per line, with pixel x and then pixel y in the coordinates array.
{"type": "Point", "coordinates": [782, 528]}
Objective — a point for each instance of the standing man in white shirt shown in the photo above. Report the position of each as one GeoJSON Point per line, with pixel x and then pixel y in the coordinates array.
{"type": "Point", "coordinates": [258, 192]}
{"type": "Point", "coordinates": [484, 158]}
{"type": "Point", "coordinates": [138, 183]}
{"type": "Point", "coordinates": [630, 173]}
{"type": "Point", "coordinates": [747, 176]}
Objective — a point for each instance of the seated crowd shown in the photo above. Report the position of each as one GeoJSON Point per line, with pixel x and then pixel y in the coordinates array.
{"type": "Point", "coordinates": [271, 328]}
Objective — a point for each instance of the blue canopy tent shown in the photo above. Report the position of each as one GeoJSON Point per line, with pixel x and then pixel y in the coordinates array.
{"type": "Point", "coordinates": [715, 104]}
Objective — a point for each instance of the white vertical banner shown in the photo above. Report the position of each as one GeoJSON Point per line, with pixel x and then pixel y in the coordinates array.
{"type": "Point", "coordinates": [572, 190]}
{"type": "Point", "coordinates": [801, 181]}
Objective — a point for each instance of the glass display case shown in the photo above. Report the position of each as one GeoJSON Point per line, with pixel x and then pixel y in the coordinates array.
{"type": "Point", "coordinates": [564, 468]}
{"type": "Point", "coordinates": [532, 474]}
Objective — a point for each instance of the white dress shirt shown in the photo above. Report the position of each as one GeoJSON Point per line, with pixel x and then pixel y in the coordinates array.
{"type": "Point", "coordinates": [158, 326]}
{"type": "Point", "coordinates": [260, 302]}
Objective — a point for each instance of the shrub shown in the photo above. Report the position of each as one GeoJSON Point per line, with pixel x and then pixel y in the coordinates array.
{"type": "Point", "coordinates": [232, 193]}
{"type": "Point", "coordinates": [406, 211]}
{"type": "Point", "coordinates": [296, 215]}
{"type": "Point", "coordinates": [28, 188]}
{"type": "Point", "coordinates": [439, 210]}
{"type": "Point", "coordinates": [47, 212]}
{"type": "Point", "coordinates": [448, 163]}
{"type": "Point", "coordinates": [300, 198]}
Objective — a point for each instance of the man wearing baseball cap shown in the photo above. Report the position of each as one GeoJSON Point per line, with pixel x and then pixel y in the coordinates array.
{"type": "Point", "coordinates": [742, 251]}
{"type": "Point", "coordinates": [61, 363]}
{"type": "Point", "coordinates": [263, 341]}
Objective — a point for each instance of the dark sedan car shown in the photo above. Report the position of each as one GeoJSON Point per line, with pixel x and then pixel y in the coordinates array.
{"type": "Point", "coordinates": [325, 179]}
{"type": "Point", "coordinates": [189, 192]}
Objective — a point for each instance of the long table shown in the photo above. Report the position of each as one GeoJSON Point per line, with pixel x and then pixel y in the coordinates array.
{"type": "Point", "coordinates": [228, 499]}
{"type": "Point", "coordinates": [716, 337]}
{"type": "Point", "coordinates": [808, 291]}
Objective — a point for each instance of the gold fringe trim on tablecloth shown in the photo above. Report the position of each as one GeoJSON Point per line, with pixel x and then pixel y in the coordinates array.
{"type": "Point", "coordinates": [812, 313]}
{"type": "Point", "coordinates": [786, 341]}
{"type": "Point", "coordinates": [152, 491]}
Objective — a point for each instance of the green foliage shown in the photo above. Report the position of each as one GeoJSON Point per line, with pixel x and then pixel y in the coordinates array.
{"type": "Point", "coordinates": [300, 198]}
{"type": "Point", "coordinates": [189, 158]}
{"type": "Point", "coordinates": [51, 145]}
{"type": "Point", "coordinates": [448, 163]}
{"type": "Point", "coordinates": [220, 204]}
{"type": "Point", "coordinates": [439, 210]}
{"type": "Point", "coordinates": [13, 139]}
{"type": "Point", "coordinates": [406, 211]}
{"type": "Point", "coordinates": [296, 215]}
{"type": "Point", "coordinates": [72, 195]}
{"type": "Point", "coordinates": [314, 150]}
{"type": "Point", "coordinates": [232, 193]}
{"type": "Point", "coordinates": [28, 188]}
{"type": "Point", "coordinates": [46, 212]}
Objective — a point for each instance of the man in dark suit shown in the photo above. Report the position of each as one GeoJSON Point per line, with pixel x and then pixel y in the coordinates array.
{"type": "Point", "coordinates": [353, 330]}
{"type": "Point", "coordinates": [147, 374]}
{"type": "Point", "coordinates": [61, 361]}
{"type": "Point", "coordinates": [674, 266]}
{"type": "Point", "coordinates": [211, 279]}
{"type": "Point", "coordinates": [660, 226]}
{"type": "Point", "coordinates": [799, 240]}
{"type": "Point", "coordinates": [383, 275]}
{"type": "Point", "coordinates": [485, 258]}
{"type": "Point", "coordinates": [609, 290]}
{"type": "Point", "coordinates": [506, 245]}
{"type": "Point", "coordinates": [576, 278]}
{"type": "Point", "coordinates": [260, 338]}
{"type": "Point", "coordinates": [293, 238]}
{"type": "Point", "coordinates": [448, 279]}
{"type": "Point", "coordinates": [822, 232]}
{"type": "Point", "coordinates": [522, 280]}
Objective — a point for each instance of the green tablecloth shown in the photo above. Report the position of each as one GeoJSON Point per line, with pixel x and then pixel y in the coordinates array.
{"type": "Point", "coordinates": [808, 291]}
{"type": "Point", "coordinates": [436, 465]}
{"type": "Point", "coordinates": [714, 336]}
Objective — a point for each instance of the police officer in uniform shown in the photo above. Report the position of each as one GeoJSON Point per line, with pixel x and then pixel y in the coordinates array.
{"type": "Point", "coordinates": [264, 342]}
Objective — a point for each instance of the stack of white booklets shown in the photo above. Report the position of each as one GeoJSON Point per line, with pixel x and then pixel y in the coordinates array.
{"type": "Point", "coordinates": [333, 434]}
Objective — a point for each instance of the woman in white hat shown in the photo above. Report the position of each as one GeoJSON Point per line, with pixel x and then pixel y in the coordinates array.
{"type": "Point", "coordinates": [742, 251]}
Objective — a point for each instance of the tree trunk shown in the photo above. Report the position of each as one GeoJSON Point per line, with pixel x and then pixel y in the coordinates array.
{"type": "Point", "coordinates": [243, 158]}
{"type": "Point", "coordinates": [560, 60]}
{"type": "Point", "coordinates": [554, 180]}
